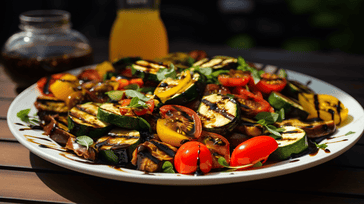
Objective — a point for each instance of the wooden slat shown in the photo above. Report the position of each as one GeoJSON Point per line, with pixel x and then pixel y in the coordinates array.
{"type": "Point", "coordinates": [15, 155]}
{"type": "Point", "coordinates": [334, 186]}
{"type": "Point", "coordinates": [7, 86]}
{"type": "Point", "coordinates": [4, 106]}
{"type": "Point", "coordinates": [5, 131]}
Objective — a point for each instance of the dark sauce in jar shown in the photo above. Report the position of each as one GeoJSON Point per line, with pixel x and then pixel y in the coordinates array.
{"type": "Point", "coordinates": [25, 68]}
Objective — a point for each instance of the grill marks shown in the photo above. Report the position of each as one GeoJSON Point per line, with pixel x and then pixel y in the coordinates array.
{"type": "Point", "coordinates": [87, 115]}
{"type": "Point", "coordinates": [217, 109]}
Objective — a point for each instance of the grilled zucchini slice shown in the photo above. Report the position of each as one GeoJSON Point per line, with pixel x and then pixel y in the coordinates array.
{"type": "Point", "coordinates": [146, 69]}
{"type": "Point", "coordinates": [219, 113]}
{"type": "Point", "coordinates": [192, 90]}
{"type": "Point", "coordinates": [218, 62]}
{"type": "Point", "coordinates": [82, 120]}
{"type": "Point", "coordinates": [293, 141]}
{"type": "Point", "coordinates": [291, 108]}
{"type": "Point", "coordinates": [117, 147]}
{"type": "Point", "coordinates": [110, 113]}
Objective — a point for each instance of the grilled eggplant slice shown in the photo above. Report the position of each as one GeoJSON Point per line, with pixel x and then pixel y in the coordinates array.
{"type": "Point", "coordinates": [313, 129]}
{"type": "Point", "coordinates": [82, 120]}
{"type": "Point", "coordinates": [218, 62]}
{"type": "Point", "coordinates": [249, 127]}
{"type": "Point", "coordinates": [117, 147]}
{"type": "Point", "coordinates": [55, 127]}
{"type": "Point", "coordinates": [47, 105]}
{"type": "Point", "coordinates": [150, 155]}
{"type": "Point", "coordinates": [88, 153]}
{"type": "Point", "coordinates": [219, 113]}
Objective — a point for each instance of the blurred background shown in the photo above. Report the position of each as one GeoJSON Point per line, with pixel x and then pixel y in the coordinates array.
{"type": "Point", "coordinates": [294, 25]}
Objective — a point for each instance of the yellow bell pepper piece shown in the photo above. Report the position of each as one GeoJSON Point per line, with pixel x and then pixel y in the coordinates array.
{"type": "Point", "coordinates": [61, 89]}
{"type": "Point", "coordinates": [104, 67]}
{"type": "Point", "coordinates": [164, 95]}
{"type": "Point", "coordinates": [69, 77]}
{"type": "Point", "coordinates": [323, 106]}
{"type": "Point", "coordinates": [168, 135]}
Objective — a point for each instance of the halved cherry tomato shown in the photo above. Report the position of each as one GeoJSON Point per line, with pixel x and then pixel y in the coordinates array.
{"type": "Point", "coordinates": [124, 110]}
{"type": "Point", "coordinates": [215, 88]}
{"type": "Point", "coordinates": [269, 83]}
{"type": "Point", "coordinates": [44, 83]}
{"type": "Point", "coordinates": [178, 125]}
{"type": "Point", "coordinates": [251, 104]}
{"type": "Point", "coordinates": [89, 75]}
{"type": "Point", "coordinates": [256, 149]}
{"type": "Point", "coordinates": [218, 145]}
{"type": "Point", "coordinates": [193, 157]}
{"type": "Point", "coordinates": [138, 81]}
{"type": "Point", "coordinates": [234, 78]}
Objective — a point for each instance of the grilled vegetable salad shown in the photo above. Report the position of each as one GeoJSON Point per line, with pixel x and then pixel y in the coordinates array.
{"type": "Point", "coordinates": [191, 115]}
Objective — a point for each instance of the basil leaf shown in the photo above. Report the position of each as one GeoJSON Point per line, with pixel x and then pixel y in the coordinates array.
{"type": "Point", "coordinates": [84, 141]}
{"type": "Point", "coordinates": [281, 115]}
{"type": "Point", "coordinates": [23, 115]}
{"type": "Point", "coordinates": [321, 146]}
{"type": "Point", "coordinates": [132, 87]}
{"type": "Point", "coordinates": [133, 93]}
{"type": "Point", "coordinates": [269, 118]}
{"type": "Point", "coordinates": [115, 95]}
{"type": "Point", "coordinates": [137, 103]}
{"type": "Point", "coordinates": [165, 73]}
{"type": "Point", "coordinates": [258, 164]}
{"type": "Point", "coordinates": [222, 161]}
{"type": "Point", "coordinates": [243, 66]}
{"type": "Point", "coordinates": [167, 167]}
{"type": "Point", "coordinates": [349, 133]}
{"type": "Point", "coordinates": [146, 89]}
{"type": "Point", "coordinates": [272, 129]}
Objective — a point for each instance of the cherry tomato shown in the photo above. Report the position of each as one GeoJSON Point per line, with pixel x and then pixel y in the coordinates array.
{"type": "Point", "coordinates": [218, 145]}
{"type": "Point", "coordinates": [124, 110]}
{"type": "Point", "coordinates": [234, 78]}
{"type": "Point", "coordinates": [193, 157]}
{"type": "Point", "coordinates": [214, 88]}
{"type": "Point", "coordinates": [256, 149]}
{"type": "Point", "coordinates": [42, 82]}
{"type": "Point", "coordinates": [89, 75]}
{"type": "Point", "coordinates": [178, 124]}
{"type": "Point", "coordinates": [251, 104]}
{"type": "Point", "coordinates": [269, 83]}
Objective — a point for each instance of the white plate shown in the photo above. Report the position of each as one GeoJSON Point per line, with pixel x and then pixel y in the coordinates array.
{"type": "Point", "coordinates": [354, 123]}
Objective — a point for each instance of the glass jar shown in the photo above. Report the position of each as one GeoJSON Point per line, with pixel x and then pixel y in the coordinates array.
{"type": "Point", "coordinates": [138, 31]}
{"type": "Point", "coordinates": [45, 45]}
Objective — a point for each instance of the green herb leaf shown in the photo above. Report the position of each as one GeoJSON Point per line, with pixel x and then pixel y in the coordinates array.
{"type": "Point", "coordinates": [84, 141]}
{"type": "Point", "coordinates": [165, 73]}
{"type": "Point", "coordinates": [133, 93]}
{"type": "Point", "coordinates": [281, 115]}
{"type": "Point", "coordinates": [258, 164]}
{"type": "Point", "coordinates": [132, 87]}
{"type": "Point", "coordinates": [321, 146]}
{"type": "Point", "coordinates": [253, 72]}
{"type": "Point", "coordinates": [146, 89]}
{"type": "Point", "coordinates": [167, 167]}
{"type": "Point", "coordinates": [349, 133]}
{"type": "Point", "coordinates": [115, 95]}
{"type": "Point", "coordinates": [23, 115]}
{"type": "Point", "coordinates": [137, 103]}
{"type": "Point", "coordinates": [272, 129]}
{"type": "Point", "coordinates": [222, 161]}
{"type": "Point", "coordinates": [269, 118]}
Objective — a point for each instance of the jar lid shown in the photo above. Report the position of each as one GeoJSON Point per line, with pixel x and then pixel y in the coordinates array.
{"type": "Point", "coordinates": [44, 19]}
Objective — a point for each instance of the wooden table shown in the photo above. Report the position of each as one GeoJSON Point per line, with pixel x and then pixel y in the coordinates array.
{"type": "Point", "coordinates": [26, 178]}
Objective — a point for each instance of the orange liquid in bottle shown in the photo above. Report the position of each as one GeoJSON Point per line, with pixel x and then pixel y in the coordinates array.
{"type": "Point", "coordinates": [138, 33]}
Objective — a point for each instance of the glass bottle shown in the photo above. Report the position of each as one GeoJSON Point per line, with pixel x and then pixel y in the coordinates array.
{"type": "Point", "coordinates": [45, 45]}
{"type": "Point", "coordinates": [138, 31]}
